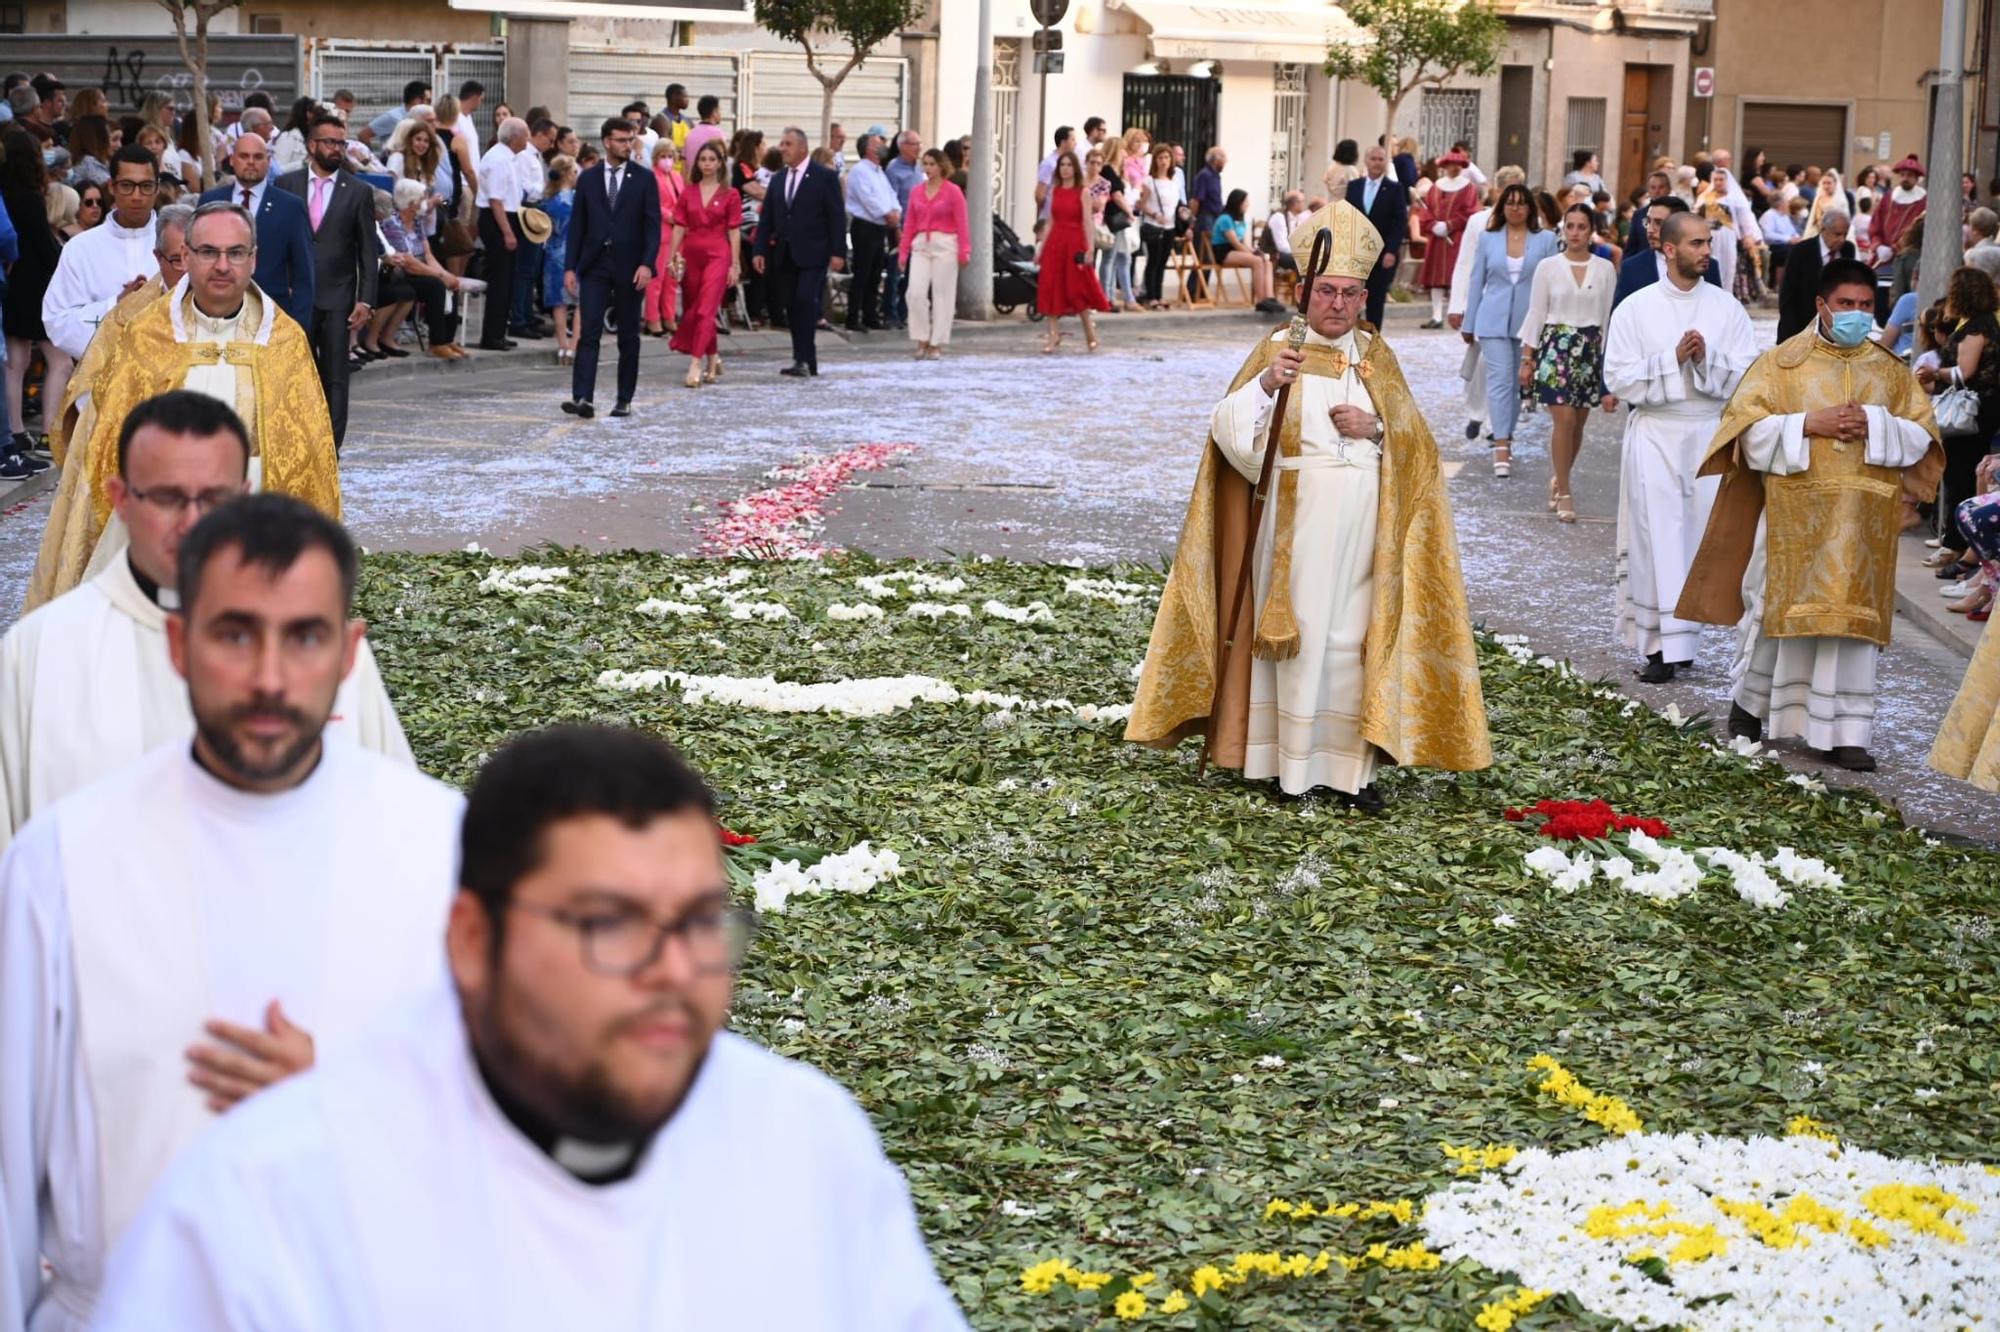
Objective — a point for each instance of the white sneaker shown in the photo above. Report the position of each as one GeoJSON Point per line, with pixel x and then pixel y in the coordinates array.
{"type": "Point", "coordinates": [1933, 543]}
{"type": "Point", "coordinates": [471, 286]}
{"type": "Point", "coordinates": [1960, 588]}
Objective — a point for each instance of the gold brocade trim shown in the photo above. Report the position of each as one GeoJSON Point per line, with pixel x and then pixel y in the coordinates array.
{"type": "Point", "coordinates": [1278, 637]}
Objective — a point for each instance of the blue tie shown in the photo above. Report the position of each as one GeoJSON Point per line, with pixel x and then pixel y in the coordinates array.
{"type": "Point", "coordinates": [1368, 194]}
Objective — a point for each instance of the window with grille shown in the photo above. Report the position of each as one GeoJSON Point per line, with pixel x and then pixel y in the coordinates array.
{"type": "Point", "coordinates": [1447, 116]}
{"type": "Point", "coordinates": [1586, 130]}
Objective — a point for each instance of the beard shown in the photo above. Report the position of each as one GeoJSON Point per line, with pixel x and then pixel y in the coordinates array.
{"type": "Point", "coordinates": [587, 1105]}
{"type": "Point", "coordinates": [218, 731]}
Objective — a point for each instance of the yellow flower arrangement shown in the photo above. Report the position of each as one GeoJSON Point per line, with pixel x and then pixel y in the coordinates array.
{"type": "Point", "coordinates": [1921, 1207]}
{"type": "Point", "coordinates": [1129, 1306]}
{"type": "Point", "coordinates": [1805, 1126]}
{"type": "Point", "coordinates": [1608, 1111]}
{"type": "Point", "coordinates": [1499, 1315]}
{"type": "Point", "coordinates": [1473, 1160]}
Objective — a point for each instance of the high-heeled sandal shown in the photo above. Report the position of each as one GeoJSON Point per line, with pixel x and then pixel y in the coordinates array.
{"type": "Point", "coordinates": [714, 371]}
{"type": "Point", "coordinates": [1503, 466]}
{"type": "Point", "coordinates": [1554, 496]}
{"type": "Point", "coordinates": [1565, 509]}
{"type": "Point", "coordinates": [693, 379]}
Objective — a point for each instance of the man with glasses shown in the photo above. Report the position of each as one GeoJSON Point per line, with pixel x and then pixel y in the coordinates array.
{"type": "Point", "coordinates": [1330, 657]}
{"type": "Point", "coordinates": [218, 334]}
{"type": "Point", "coordinates": [341, 209]}
{"type": "Point", "coordinates": [226, 910]}
{"type": "Point", "coordinates": [110, 260]}
{"type": "Point", "coordinates": [85, 682]}
{"type": "Point", "coordinates": [565, 1137]}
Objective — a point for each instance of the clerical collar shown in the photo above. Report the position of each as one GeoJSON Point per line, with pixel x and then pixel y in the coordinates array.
{"type": "Point", "coordinates": [166, 598]}
{"type": "Point", "coordinates": [229, 318]}
{"type": "Point", "coordinates": [594, 1163]}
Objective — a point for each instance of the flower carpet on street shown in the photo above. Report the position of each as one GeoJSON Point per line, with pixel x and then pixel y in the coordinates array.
{"type": "Point", "coordinates": [1171, 1053]}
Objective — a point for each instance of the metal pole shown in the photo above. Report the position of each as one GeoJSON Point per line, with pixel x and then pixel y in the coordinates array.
{"type": "Point", "coordinates": [975, 280]}
{"type": "Point", "coordinates": [1944, 211]}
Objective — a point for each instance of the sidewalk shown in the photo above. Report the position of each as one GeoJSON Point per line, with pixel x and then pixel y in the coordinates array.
{"type": "Point", "coordinates": [1918, 600]}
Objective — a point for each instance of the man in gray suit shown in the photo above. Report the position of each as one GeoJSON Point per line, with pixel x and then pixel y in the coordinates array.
{"type": "Point", "coordinates": [341, 209]}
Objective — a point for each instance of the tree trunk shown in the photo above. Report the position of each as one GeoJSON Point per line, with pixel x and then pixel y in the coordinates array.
{"type": "Point", "coordinates": [199, 69]}
{"type": "Point", "coordinates": [1389, 125]}
{"type": "Point", "coordinates": [826, 91]}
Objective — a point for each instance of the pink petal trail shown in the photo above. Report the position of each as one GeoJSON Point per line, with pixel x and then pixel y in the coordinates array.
{"type": "Point", "coordinates": [779, 522]}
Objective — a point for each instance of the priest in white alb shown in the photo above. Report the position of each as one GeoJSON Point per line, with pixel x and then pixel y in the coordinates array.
{"type": "Point", "coordinates": [1824, 451]}
{"type": "Point", "coordinates": [209, 918]}
{"type": "Point", "coordinates": [563, 1138]}
{"type": "Point", "coordinates": [86, 683]}
{"type": "Point", "coordinates": [112, 259]}
{"type": "Point", "coordinates": [1675, 352]}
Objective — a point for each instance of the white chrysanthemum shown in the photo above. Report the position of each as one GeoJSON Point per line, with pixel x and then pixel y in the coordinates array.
{"type": "Point", "coordinates": [1531, 1219]}
{"type": "Point", "coordinates": [1033, 612]}
{"type": "Point", "coordinates": [523, 580]}
{"type": "Point", "coordinates": [734, 578]}
{"type": "Point", "coordinates": [655, 608]}
{"type": "Point", "coordinates": [1109, 589]}
{"type": "Point", "coordinates": [855, 870]}
{"type": "Point", "coordinates": [908, 583]}
{"type": "Point", "coordinates": [866, 610]}
{"type": "Point", "coordinates": [937, 610]}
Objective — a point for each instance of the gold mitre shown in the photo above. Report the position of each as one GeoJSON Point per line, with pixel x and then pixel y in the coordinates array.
{"type": "Point", "coordinates": [1357, 246]}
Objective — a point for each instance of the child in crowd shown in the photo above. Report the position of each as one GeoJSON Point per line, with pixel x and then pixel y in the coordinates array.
{"type": "Point", "coordinates": [558, 201]}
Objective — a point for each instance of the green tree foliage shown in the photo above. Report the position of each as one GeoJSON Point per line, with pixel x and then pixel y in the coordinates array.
{"type": "Point", "coordinates": [1417, 43]}
{"type": "Point", "coordinates": [862, 25]}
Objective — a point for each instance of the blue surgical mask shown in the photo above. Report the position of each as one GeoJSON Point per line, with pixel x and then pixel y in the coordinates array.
{"type": "Point", "coordinates": [1850, 328]}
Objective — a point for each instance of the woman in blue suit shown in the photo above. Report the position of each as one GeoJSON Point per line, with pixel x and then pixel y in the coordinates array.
{"type": "Point", "coordinates": [1503, 277]}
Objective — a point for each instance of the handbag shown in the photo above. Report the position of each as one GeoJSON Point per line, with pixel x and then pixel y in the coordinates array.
{"type": "Point", "coordinates": [453, 239]}
{"type": "Point", "coordinates": [1957, 412]}
{"type": "Point", "coordinates": [1102, 238]}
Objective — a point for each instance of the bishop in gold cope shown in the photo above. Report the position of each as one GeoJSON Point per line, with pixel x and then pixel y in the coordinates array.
{"type": "Point", "coordinates": [1354, 645]}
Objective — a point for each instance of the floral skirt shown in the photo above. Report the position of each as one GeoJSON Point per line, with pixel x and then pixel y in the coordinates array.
{"type": "Point", "coordinates": [1569, 366]}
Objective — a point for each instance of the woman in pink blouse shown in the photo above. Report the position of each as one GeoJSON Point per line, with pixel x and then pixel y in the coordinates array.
{"type": "Point", "coordinates": [936, 240]}
{"type": "Point", "coordinates": [660, 295]}
{"type": "Point", "coordinates": [704, 257]}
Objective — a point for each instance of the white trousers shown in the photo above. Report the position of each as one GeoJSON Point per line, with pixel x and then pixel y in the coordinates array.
{"type": "Point", "coordinates": [933, 292]}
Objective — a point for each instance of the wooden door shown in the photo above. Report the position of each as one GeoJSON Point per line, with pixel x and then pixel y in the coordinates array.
{"type": "Point", "coordinates": [1633, 138]}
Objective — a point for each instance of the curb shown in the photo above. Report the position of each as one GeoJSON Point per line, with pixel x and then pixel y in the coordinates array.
{"type": "Point", "coordinates": [1939, 623]}
{"type": "Point", "coordinates": [29, 488]}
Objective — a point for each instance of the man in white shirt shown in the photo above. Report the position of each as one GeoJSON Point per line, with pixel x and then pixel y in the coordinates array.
{"type": "Point", "coordinates": [86, 682]}
{"type": "Point", "coordinates": [531, 166]}
{"type": "Point", "coordinates": [564, 1138]}
{"type": "Point", "coordinates": [224, 912]}
{"type": "Point", "coordinates": [1279, 227]}
{"type": "Point", "coordinates": [499, 201]}
{"type": "Point", "coordinates": [108, 261]}
{"type": "Point", "coordinates": [1674, 352]}
{"type": "Point", "coordinates": [1045, 174]}
{"type": "Point", "coordinates": [872, 218]}
{"type": "Point", "coordinates": [471, 94]}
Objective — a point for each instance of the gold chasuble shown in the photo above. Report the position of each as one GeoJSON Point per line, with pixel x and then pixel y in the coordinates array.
{"type": "Point", "coordinates": [1420, 697]}
{"type": "Point", "coordinates": [261, 365]}
{"type": "Point", "coordinates": [1831, 531]}
{"type": "Point", "coordinates": [73, 415]}
{"type": "Point", "coordinates": [1968, 744]}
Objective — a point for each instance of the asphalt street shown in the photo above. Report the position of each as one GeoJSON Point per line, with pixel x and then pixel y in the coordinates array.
{"type": "Point", "coordinates": [1018, 455]}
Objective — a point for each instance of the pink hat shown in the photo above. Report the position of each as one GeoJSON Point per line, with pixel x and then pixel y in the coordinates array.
{"type": "Point", "coordinates": [1454, 158]}
{"type": "Point", "coordinates": [1910, 163]}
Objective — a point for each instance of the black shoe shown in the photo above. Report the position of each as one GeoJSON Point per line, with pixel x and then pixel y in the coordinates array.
{"type": "Point", "coordinates": [1851, 757]}
{"type": "Point", "coordinates": [502, 345]}
{"type": "Point", "coordinates": [622, 409]}
{"type": "Point", "coordinates": [1745, 723]}
{"type": "Point", "coordinates": [798, 370]}
{"type": "Point", "coordinates": [528, 331]}
{"type": "Point", "coordinates": [394, 353]}
{"type": "Point", "coordinates": [1270, 306]}
{"type": "Point", "coordinates": [1952, 573]}
{"type": "Point", "coordinates": [1472, 430]}
{"type": "Point", "coordinates": [852, 328]}
{"type": "Point", "coordinates": [1656, 670]}
{"type": "Point", "coordinates": [15, 466]}
{"type": "Point", "coordinates": [579, 407]}
{"type": "Point", "coordinates": [1367, 800]}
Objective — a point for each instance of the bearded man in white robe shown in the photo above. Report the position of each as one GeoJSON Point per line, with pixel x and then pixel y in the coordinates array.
{"type": "Point", "coordinates": [564, 1137]}
{"type": "Point", "coordinates": [86, 682]}
{"type": "Point", "coordinates": [1675, 352]}
{"type": "Point", "coordinates": [209, 918]}
{"type": "Point", "coordinates": [112, 259]}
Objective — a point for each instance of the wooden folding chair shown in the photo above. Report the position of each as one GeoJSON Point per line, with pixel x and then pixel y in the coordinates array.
{"type": "Point", "coordinates": [1186, 263]}
{"type": "Point", "coordinates": [1217, 278]}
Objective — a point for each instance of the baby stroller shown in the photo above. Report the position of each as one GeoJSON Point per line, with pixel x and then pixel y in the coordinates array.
{"type": "Point", "coordinates": [1015, 272]}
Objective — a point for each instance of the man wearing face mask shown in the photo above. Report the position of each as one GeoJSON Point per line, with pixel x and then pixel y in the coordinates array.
{"type": "Point", "coordinates": [563, 1137]}
{"type": "Point", "coordinates": [1824, 449]}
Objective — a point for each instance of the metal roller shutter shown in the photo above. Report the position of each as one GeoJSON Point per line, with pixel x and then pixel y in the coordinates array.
{"type": "Point", "coordinates": [784, 92]}
{"type": "Point", "coordinates": [1791, 133]}
{"type": "Point", "coordinates": [602, 80]}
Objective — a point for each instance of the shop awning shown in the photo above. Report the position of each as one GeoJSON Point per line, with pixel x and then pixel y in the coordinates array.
{"type": "Point", "coordinates": [1246, 31]}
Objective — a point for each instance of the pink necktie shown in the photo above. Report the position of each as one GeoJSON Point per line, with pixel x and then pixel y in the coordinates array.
{"type": "Point", "coordinates": [319, 199]}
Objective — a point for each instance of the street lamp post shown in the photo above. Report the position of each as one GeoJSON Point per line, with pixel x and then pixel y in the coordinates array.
{"type": "Point", "coordinates": [1944, 212]}
{"type": "Point", "coordinates": [975, 280]}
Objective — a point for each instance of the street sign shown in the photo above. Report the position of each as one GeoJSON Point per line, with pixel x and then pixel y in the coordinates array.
{"type": "Point", "coordinates": [1048, 13]}
{"type": "Point", "coordinates": [1704, 81]}
{"type": "Point", "coordinates": [1048, 39]}
{"type": "Point", "coordinates": [1049, 62]}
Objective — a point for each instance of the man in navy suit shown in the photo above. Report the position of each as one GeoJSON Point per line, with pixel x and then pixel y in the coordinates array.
{"type": "Point", "coordinates": [285, 257]}
{"type": "Point", "coordinates": [614, 243]}
{"type": "Point", "coordinates": [1643, 269]}
{"type": "Point", "coordinates": [803, 233]}
{"type": "Point", "coordinates": [1382, 197]}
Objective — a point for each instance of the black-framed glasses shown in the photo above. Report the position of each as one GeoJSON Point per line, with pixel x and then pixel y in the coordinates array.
{"type": "Point", "coordinates": [169, 500]}
{"type": "Point", "coordinates": [324, 140]}
{"type": "Point", "coordinates": [623, 941]}
{"type": "Point", "coordinates": [135, 186]}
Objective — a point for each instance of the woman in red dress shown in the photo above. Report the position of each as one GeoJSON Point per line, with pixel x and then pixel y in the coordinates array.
{"type": "Point", "coordinates": [703, 256]}
{"type": "Point", "coordinates": [1443, 214]}
{"type": "Point", "coordinates": [1068, 283]}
